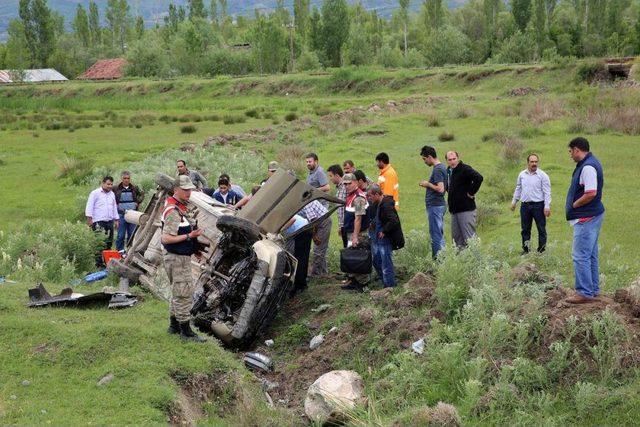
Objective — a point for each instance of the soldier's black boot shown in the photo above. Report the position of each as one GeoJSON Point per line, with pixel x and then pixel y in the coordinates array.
{"type": "Point", "coordinates": [187, 334]}
{"type": "Point", "coordinates": [174, 326]}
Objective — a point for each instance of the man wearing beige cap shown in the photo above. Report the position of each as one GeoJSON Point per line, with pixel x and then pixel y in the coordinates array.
{"type": "Point", "coordinates": [271, 169]}
{"type": "Point", "coordinates": [179, 234]}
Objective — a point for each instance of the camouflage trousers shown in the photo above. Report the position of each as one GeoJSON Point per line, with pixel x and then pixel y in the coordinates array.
{"type": "Point", "coordinates": [178, 269]}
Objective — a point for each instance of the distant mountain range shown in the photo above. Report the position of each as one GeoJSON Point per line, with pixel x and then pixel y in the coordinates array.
{"type": "Point", "coordinates": [154, 10]}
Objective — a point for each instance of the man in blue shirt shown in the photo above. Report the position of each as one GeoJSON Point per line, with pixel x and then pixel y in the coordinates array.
{"type": "Point", "coordinates": [434, 198]}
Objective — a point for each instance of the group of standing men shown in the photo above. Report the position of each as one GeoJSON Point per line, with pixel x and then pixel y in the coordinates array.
{"type": "Point", "coordinates": [583, 208]}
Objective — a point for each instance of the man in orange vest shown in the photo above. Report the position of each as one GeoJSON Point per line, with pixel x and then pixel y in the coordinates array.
{"type": "Point", "coordinates": [388, 178]}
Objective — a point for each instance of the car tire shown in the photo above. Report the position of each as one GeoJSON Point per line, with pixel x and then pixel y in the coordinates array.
{"type": "Point", "coordinates": [164, 181]}
{"type": "Point", "coordinates": [229, 223]}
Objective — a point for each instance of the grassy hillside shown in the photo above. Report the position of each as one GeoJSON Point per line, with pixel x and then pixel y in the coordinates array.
{"type": "Point", "coordinates": [57, 140]}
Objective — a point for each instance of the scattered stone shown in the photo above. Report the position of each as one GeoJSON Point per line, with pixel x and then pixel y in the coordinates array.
{"type": "Point", "coordinates": [332, 396]}
{"type": "Point", "coordinates": [43, 411]}
{"type": "Point", "coordinates": [381, 295]}
{"type": "Point", "coordinates": [418, 346]}
{"type": "Point", "coordinates": [26, 383]}
{"type": "Point", "coordinates": [269, 343]}
{"type": "Point", "coordinates": [106, 380]}
{"type": "Point", "coordinates": [269, 385]}
{"type": "Point", "coordinates": [316, 341]}
{"type": "Point", "coordinates": [392, 104]}
{"type": "Point", "coordinates": [374, 108]}
{"type": "Point", "coordinates": [332, 330]}
{"type": "Point", "coordinates": [13, 397]}
{"type": "Point", "coordinates": [321, 308]}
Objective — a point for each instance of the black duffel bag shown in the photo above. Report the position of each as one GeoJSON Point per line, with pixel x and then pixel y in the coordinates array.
{"type": "Point", "coordinates": [355, 260]}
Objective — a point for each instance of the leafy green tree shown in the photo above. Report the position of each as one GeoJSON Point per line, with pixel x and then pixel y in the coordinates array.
{"type": "Point", "coordinates": [404, 16]}
{"type": "Point", "coordinates": [70, 57]}
{"type": "Point", "coordinates": [308, 61]}
{"type": "Point", "coordinates": [94, 24]}
{"type": "Point", "coordinates": [491, 9]}
{"type": "Point", "coordinates": [139, 27]}
{"type": "Point", "coordinates": [17, 55]}
{"type": "Point", "coordinates": [119, 22]}
{"type": "Point", "coordinates": [213, 12]}
{"type": "Point", "coordinates": [223, 8]}
{"type": "Point", "coordinates": [269, 45]}
{"type": "Point", "coordinates": [301, 17]}
{"type": "Point", "coordinates": [335, 30]}
{"type": "Point", "coordinates": [38, 29]}
{"type": "Point", "coordinates": [358, 49]}
{"type": "Point", "coordinates": [390, 57]}
{"type": "Point", "coordinates": [434, 14]}
{"type": "Point", "coordinates": [315, 30]}
{"type": "Point", "coordinates": [196, 9]}
{"type": "Point", "coordinates": [539, 25]}
{"type": "Point", "coordinates": [447, 46]}
{"type": "Point", "coordinates": [520, 47]}
{"type": "Point", "coordinates": [521, 10]}
{"type": "Point", "coordinates": [80, 26]}
{"type": "Point", "coordinates": [147, 57]}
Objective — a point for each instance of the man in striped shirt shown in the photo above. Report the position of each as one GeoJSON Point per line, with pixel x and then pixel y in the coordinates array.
{"type": "Point", "coordinates": [533, 190]}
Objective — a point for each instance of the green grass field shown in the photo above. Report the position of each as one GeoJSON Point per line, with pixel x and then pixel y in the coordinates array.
{"type": "Point", "coordinates": [64, 352]}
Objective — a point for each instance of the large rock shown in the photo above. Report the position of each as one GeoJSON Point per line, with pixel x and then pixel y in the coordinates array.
{"type": "Point", "coordinates": [333, 395]}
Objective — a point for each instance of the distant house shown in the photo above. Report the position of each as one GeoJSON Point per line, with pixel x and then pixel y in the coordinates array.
{"type": "Point", "coordinates": [42, 75]}
{"type": "Point", "coordinates": [105, 69]}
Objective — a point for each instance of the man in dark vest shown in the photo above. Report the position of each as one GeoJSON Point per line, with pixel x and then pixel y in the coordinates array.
{"type": "Point", "coordinates": [128, 196]}
{"type": "Point", "coordinates": [385, 234]}
{"type": "Point", "coordinates": [356, 225]}
{"type": "Point", "coordinates": [179, 234]}
{"type": "Point", "coordinates": [585, 213]}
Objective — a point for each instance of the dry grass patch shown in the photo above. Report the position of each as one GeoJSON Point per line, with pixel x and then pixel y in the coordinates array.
{"type": "Point", "coordinates": [543, 110]}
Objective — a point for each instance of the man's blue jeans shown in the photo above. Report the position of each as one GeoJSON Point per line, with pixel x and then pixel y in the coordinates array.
{"type": "Point", "coordinates": [381, 256]}
{"type": "Point", "coordinates": [585, 256]}
{"type": "Point", "coordinates": [124, 228]}
{"type": "Point", "coordinates": [435, 215]}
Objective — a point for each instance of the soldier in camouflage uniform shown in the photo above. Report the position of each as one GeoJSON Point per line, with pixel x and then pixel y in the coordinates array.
{"type": "Point", "coordinates": [179, 234]}
{"type": "Point", "coordinates": [356, 225]}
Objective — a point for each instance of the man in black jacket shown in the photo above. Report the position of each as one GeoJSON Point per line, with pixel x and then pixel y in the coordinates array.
{"type": "Point", "coordinates": [385, 234]}
{"type": "Point", "coordinates": [128, 196]}
{"type": "Point", "coordinates": [464, 183]}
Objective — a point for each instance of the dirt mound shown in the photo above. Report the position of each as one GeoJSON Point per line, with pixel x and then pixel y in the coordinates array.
{"type": "Point", "coordinates": [575, 323]}
{"type": "Point", "coordinates": [198, 389]}
{"type": "Point", "coordinates": [529, 273]}
{"type": "Point", "coordinates": [524, 91]}
{"type": "Point", "coordinates": [419, 291]}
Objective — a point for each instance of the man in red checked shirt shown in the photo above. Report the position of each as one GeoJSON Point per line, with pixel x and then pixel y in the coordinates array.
{"type": "Point", "coordinates": [585, 213]}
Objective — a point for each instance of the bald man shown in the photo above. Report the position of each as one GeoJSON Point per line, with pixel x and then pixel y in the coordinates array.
{"type": "Point", "coordinates": [463, 184]}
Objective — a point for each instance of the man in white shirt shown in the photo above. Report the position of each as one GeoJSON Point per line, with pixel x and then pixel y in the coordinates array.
{"type": "Point", "coordinates": [533, 190]}
{"type": "Point", "coordinates": [102, 213]}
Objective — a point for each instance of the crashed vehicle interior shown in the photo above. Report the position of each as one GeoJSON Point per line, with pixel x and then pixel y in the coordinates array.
{"type": "Point", "coordinates": [243, 272]}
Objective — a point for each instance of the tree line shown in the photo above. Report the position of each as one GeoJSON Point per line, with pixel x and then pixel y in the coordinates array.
{"type": "Point", "coordinates": [203, 39]}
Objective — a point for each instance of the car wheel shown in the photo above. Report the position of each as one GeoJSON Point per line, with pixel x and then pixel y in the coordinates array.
{"type": "Point", "coordinates": [232, 224]}
{"type": "Point", "coordinates": [164, 181]}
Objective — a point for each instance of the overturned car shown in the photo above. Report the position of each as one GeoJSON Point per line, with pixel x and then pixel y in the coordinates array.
{"type": "Point", "coordinates": [243, 272]}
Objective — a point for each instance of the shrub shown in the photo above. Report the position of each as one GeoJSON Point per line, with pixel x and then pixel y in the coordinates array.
{"type": "Point", "coordinates": [463, 113]}
{"type": "Point", "coordinates": [322, 111]}
{"type": "Point", "coordinates": [188, 129]}
{"type": "Point", "coordinates": [446, 136]}
{"type": "Point", "coordinates": [589, 71]}
{"type": "Point", "coordinates": [290, 116]}
{"type": "Point", "coordinates": [252, 113]}
{"type": "Point", "coordinates": [290, 157]}
{"type": "Point", "coordinates": [40, 251]}
{"type": "Point", "coordinates": [433, 121]}
{"type": "Point", "coordinates": [457, 272]}
{"type": "Point", "coordinates": [511, 149]}
{"type": "Point", "coordinates": [75, 169]}
{"type": "Point", "coordinates": [543, 110]}
{"type": "Point", "coordinates": [308, 61]}
{"type": "Point", "coordinates": [230, 119]}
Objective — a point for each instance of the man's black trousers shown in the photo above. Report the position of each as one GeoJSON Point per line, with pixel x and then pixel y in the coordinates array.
{"type": "Point", "coordinates": [529, 212]}
{"type": "Point", "coordinates": [105, 227]}
{"type": "Point", "coordinates": [301, 250]}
